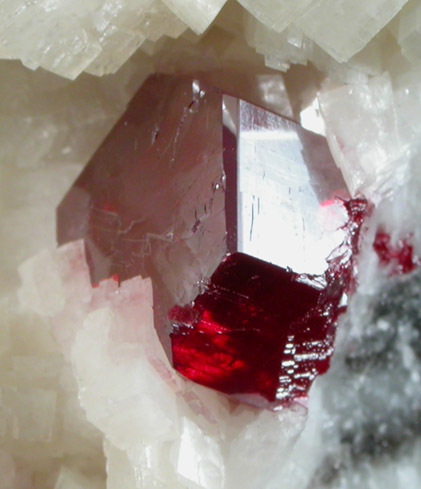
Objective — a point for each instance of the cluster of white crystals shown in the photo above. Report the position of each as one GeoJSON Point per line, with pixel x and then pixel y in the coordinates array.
{"type": "Point", "coordinates": [45, 438]}
{"type": "Point", "coordinates": [100, 36]}
{"type": "Point", "coordinates": [94, 36]}
{"type": "Point", "coordinates": [88, 399]}
{"type": "Point", "coordinates": [49, 126]}
{"type": "Point", "coordinates": [159, 429]}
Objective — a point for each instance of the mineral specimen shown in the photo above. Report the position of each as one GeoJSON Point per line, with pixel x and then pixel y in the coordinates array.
{"type": "Point", "coordinates": [363, 424]}
{"type": "Point", "coordinates": [234, 211]}
{"type": "Point", "coordinates": [160, 430]}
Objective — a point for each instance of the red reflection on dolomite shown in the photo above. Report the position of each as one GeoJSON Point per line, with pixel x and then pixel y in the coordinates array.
{"type": "Point", "coordinates": [399, 256]}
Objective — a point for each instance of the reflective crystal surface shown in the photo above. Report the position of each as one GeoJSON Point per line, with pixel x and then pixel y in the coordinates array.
{"type": "Point", "coordinates": [284, 190]}
{"type": "Point", "coordinates": [241, 219]}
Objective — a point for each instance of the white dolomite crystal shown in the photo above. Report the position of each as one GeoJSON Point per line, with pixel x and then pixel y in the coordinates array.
{"type": "Point", "coordinates": [409, 31]}
{"type": "Point", "coordinates": [284, 48]}
{"type": "Point", "coordinates": [276, 14]}
{"type": "Point", "coordinates": [408, 106]}
{"type": "Point", "coordinates": [124, 30]}
{"type": "Point", "coordinates": [199, 457]}
{"type": "Point", "coordinates": [99, 37]}
{"type": "Point", "coordinates": [343, 28]}
{"type": "Point", "coordinates": [362, 131]}
{"type": "Point", "coordinates": [292, 46]}
{"type": "Point", "coordinates": [41, 422]}
{"type": "Point", "coordinates": [70, 37]}
{"type": "Point", "coordinates": [93, 36]}
{"type": "Point", "coordinates": [197, 14]}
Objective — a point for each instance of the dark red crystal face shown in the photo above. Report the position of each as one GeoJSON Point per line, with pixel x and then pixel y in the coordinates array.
{"type": "Point", "coordinates": [258, 330]}
{"type": "Point", "coordinates": [243, 222]}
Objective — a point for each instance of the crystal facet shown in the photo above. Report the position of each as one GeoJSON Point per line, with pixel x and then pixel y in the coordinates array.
{"type": "Point", "coordinates": [243, 222]}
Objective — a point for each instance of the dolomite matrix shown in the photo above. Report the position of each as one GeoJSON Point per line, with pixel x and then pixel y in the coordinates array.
{"type": "Point", "coordinates": [99, 37]}
{"type": "Point", "coordinates": [243, 222]}
{"type": "Point", "coordinates": [363, 427]}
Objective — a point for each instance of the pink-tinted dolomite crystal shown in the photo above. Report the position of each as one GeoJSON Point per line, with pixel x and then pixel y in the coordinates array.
{"type": "Point", "coordinates": [243, 222]}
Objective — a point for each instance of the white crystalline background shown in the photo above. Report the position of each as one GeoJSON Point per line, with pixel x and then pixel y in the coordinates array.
{"type": "Point", "coordinates": [172, 432]}
{"type": "Point", "coordinates": [87, 398]}
{"type": "Point", "coordinates": [100, 36]}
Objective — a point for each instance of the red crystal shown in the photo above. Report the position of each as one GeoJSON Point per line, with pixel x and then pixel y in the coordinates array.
{"type": "Point", "coordinates": [243, 222]}
{"type": "Point", "coordinates": [400, 256]}
{"type": "Point", "coordinates": [255, 329]}
{"type": "Point", "coordinates": [260, 332]}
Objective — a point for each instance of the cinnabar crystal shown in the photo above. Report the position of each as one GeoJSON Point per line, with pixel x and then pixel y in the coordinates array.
{"type": "Point", "coordinates": [244, 224]}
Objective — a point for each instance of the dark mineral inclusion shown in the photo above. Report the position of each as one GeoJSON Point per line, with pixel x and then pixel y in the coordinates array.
{"type": "Point", "coordinates": [243, 222]}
